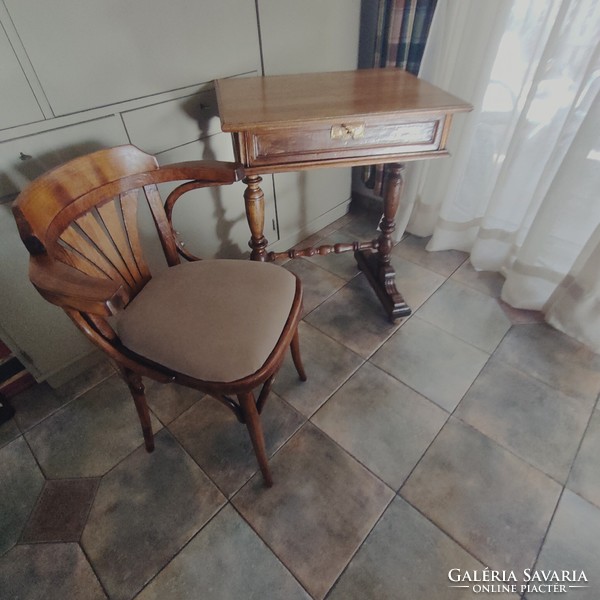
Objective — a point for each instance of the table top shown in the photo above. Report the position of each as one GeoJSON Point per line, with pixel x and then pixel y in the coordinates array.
{"type": "Point", "coordinates": [251, 103]}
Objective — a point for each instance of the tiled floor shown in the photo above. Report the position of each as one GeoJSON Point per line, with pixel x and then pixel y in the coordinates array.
{"type": "Point", "coordinates": [465, 437]}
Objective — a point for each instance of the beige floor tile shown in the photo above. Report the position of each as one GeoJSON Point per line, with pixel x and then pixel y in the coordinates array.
{"type": "Point", "coordinates": [35, 404]}
{"type": "Point", "coordinates": [86, 380]}
{"type": "Point", "coordinates": [478, 489]}
{"type": "Point", "coordinates": [585, 475]}
{"type": "Point", "coordinates": [491, 502]}
{"type": "Point", "coordinates": [89, 436]}
{"type": "Point", "coordinates": [555, 358]}
{"type": "Point", "coordinates": [145, 511]}
{"type": "Point", "coordinates": [354, 317]}
{"type": "Point", "coordinates": [318, 284]}
{"type": "Point", "coordinates": [168, 400]}
{"type": "Point", "coordinates": [573, 544]}
{"type": "Point", "coordinates": [488, 282]}
{"type": "Point", "coordinates": [221, 445]}
{"type": "Point", "coordinates": [48, 571]}
{"type": "Point", "coordinates": [533, 420]}
{"type": "Point", "coordinates": [21, 484]}
{"type": "Point", "coordinates": [416, 567]}
{"type": "Point", "coordinates": [445, 263]}
{"type": "Point", "coordinates": [327, 364]}
{"type": "Point", "coordinates": [431, 361]}
{"type": "Point", "coordinates": [381, 422]}
{"type": "Point", "coordinates": [320, 509]}
{"type": "Point", "coordinates": [414, 282]}
{"type": "Point", "coordinates": [344, 264]}
{"type": "Point", "coordinates": [468, 314]}
{"type": "Point", "coordinates": [225, 561]}
{"type": "Point", "coordinates": [363, 224]}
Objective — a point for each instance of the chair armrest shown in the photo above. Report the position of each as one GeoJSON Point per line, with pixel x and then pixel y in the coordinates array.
{"type": "Point", "coordinates": [67, 287]}
{"type": "Point", "coordinates": [213, 172]}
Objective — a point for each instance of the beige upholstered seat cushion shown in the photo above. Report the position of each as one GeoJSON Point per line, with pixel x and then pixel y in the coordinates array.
{"type": "Point", "coordinates": [216, 320]}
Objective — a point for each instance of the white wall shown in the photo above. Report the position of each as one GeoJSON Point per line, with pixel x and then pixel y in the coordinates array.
{"type": "Point", "coordinates": [81, 74]}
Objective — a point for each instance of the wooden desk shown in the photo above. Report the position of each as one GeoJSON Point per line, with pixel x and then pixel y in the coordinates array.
{"type": "Point", "coordinates": [349, 118]}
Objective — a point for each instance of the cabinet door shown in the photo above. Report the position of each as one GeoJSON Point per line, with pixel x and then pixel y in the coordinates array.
{"type": "Point", "coordinates": [40, 333]}
{"type": "Point", "coordinates": [24, 159]}
{"type": "Point", "coordinates": [306, 37]}
{"type": "Point", "coordinates": [211, 221]}
{"type": "Point", "coordinates": [171, 124]}
{"type": "Point", "coordinates": [16, 98]}
{"type": "Point", "coordinates": [88, 53]}
{"type": "Point", "coordinates": [310, 200]}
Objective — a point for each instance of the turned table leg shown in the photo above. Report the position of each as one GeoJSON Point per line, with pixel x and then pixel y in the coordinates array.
{"type": "Point", "coordinates": [254, 199]}
{"type": "Point", "coordinates": [377, 266]}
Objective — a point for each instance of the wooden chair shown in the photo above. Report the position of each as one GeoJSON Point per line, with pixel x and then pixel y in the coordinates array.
{"type": "Point", "coordinates": [219, 326]}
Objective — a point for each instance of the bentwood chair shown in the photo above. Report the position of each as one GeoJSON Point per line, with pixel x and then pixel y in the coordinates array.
{"type": "Point", "coordinates": [221, 326]}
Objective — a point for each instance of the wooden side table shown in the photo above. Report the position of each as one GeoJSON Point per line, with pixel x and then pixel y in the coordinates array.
{"type": "Point", "coordinates": [349, 118]}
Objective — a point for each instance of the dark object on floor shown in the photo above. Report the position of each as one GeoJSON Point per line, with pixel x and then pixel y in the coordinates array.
{"type": "Point", "coordinates": [6, 410]}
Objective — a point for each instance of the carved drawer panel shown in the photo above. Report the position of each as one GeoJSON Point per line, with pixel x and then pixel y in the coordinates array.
{"type": "Point", "coordinates": [343, 139]}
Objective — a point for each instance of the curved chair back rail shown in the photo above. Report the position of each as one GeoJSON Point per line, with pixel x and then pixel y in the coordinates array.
{"type": "Point", "coordinates": [232, 320]}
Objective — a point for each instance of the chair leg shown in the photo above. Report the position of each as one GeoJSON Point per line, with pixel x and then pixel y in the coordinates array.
{"type": "Point", "coordinates": [136, 387]}
{"type": "Point", "coordinates": [295, 348]}
{"type": "Point", "coordinates": [264, 394]}
{"type": "Point", "coordinates": [255, 430]}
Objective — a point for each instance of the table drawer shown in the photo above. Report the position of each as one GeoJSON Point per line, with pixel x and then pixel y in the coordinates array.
{"type": "Point", "coordinates": [345, 139]}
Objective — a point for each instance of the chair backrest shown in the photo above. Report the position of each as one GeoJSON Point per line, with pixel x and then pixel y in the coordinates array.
{"type": "Point", "coordinates": [84, 213]}
{"type": "Point", "coordinates": [79, 222]}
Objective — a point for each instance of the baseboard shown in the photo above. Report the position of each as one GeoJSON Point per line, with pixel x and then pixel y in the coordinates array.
{"type": "Point", "coordinates": [75, 368]}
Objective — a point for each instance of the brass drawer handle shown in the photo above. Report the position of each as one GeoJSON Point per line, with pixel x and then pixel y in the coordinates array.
{"type": "Point", "coordinates": [351, 131]}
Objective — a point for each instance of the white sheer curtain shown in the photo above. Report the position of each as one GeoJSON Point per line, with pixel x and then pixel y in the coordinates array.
{"type": "Point", "coordinates": [521, 192]}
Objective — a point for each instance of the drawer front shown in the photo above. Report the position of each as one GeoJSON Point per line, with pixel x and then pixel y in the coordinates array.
{"type": "Point", "coordinates": [350, 139]}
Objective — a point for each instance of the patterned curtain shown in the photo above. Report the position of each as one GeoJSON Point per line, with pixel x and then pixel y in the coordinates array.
{"type": "Point", "coordinates": [402, 29]}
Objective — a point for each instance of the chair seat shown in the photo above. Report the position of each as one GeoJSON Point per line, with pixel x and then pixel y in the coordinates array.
{"type": "Point", "coordinates": [214, 320]}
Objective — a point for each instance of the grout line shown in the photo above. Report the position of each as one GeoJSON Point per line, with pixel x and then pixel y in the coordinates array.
{"type": "Point", "coordinates": [185, 545]}
{"type": "Point", "coordinates": [397, 493]}
{"type": "Point", "coordinates": [545, 536]}
{"type": "Point", "coordinates": [353, 458]}
{"type": "Point", "coordinates": [353, 555]}
{"type": "Point", "coordinates": [275, 555]}
{"type": "Point", "coordinates": [92, 567]}
{"type": "Point", "coordinates": [596, 404]}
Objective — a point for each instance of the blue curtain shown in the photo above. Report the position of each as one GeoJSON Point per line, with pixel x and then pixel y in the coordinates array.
{"type": "Point", "coordinates": [402, 30]}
